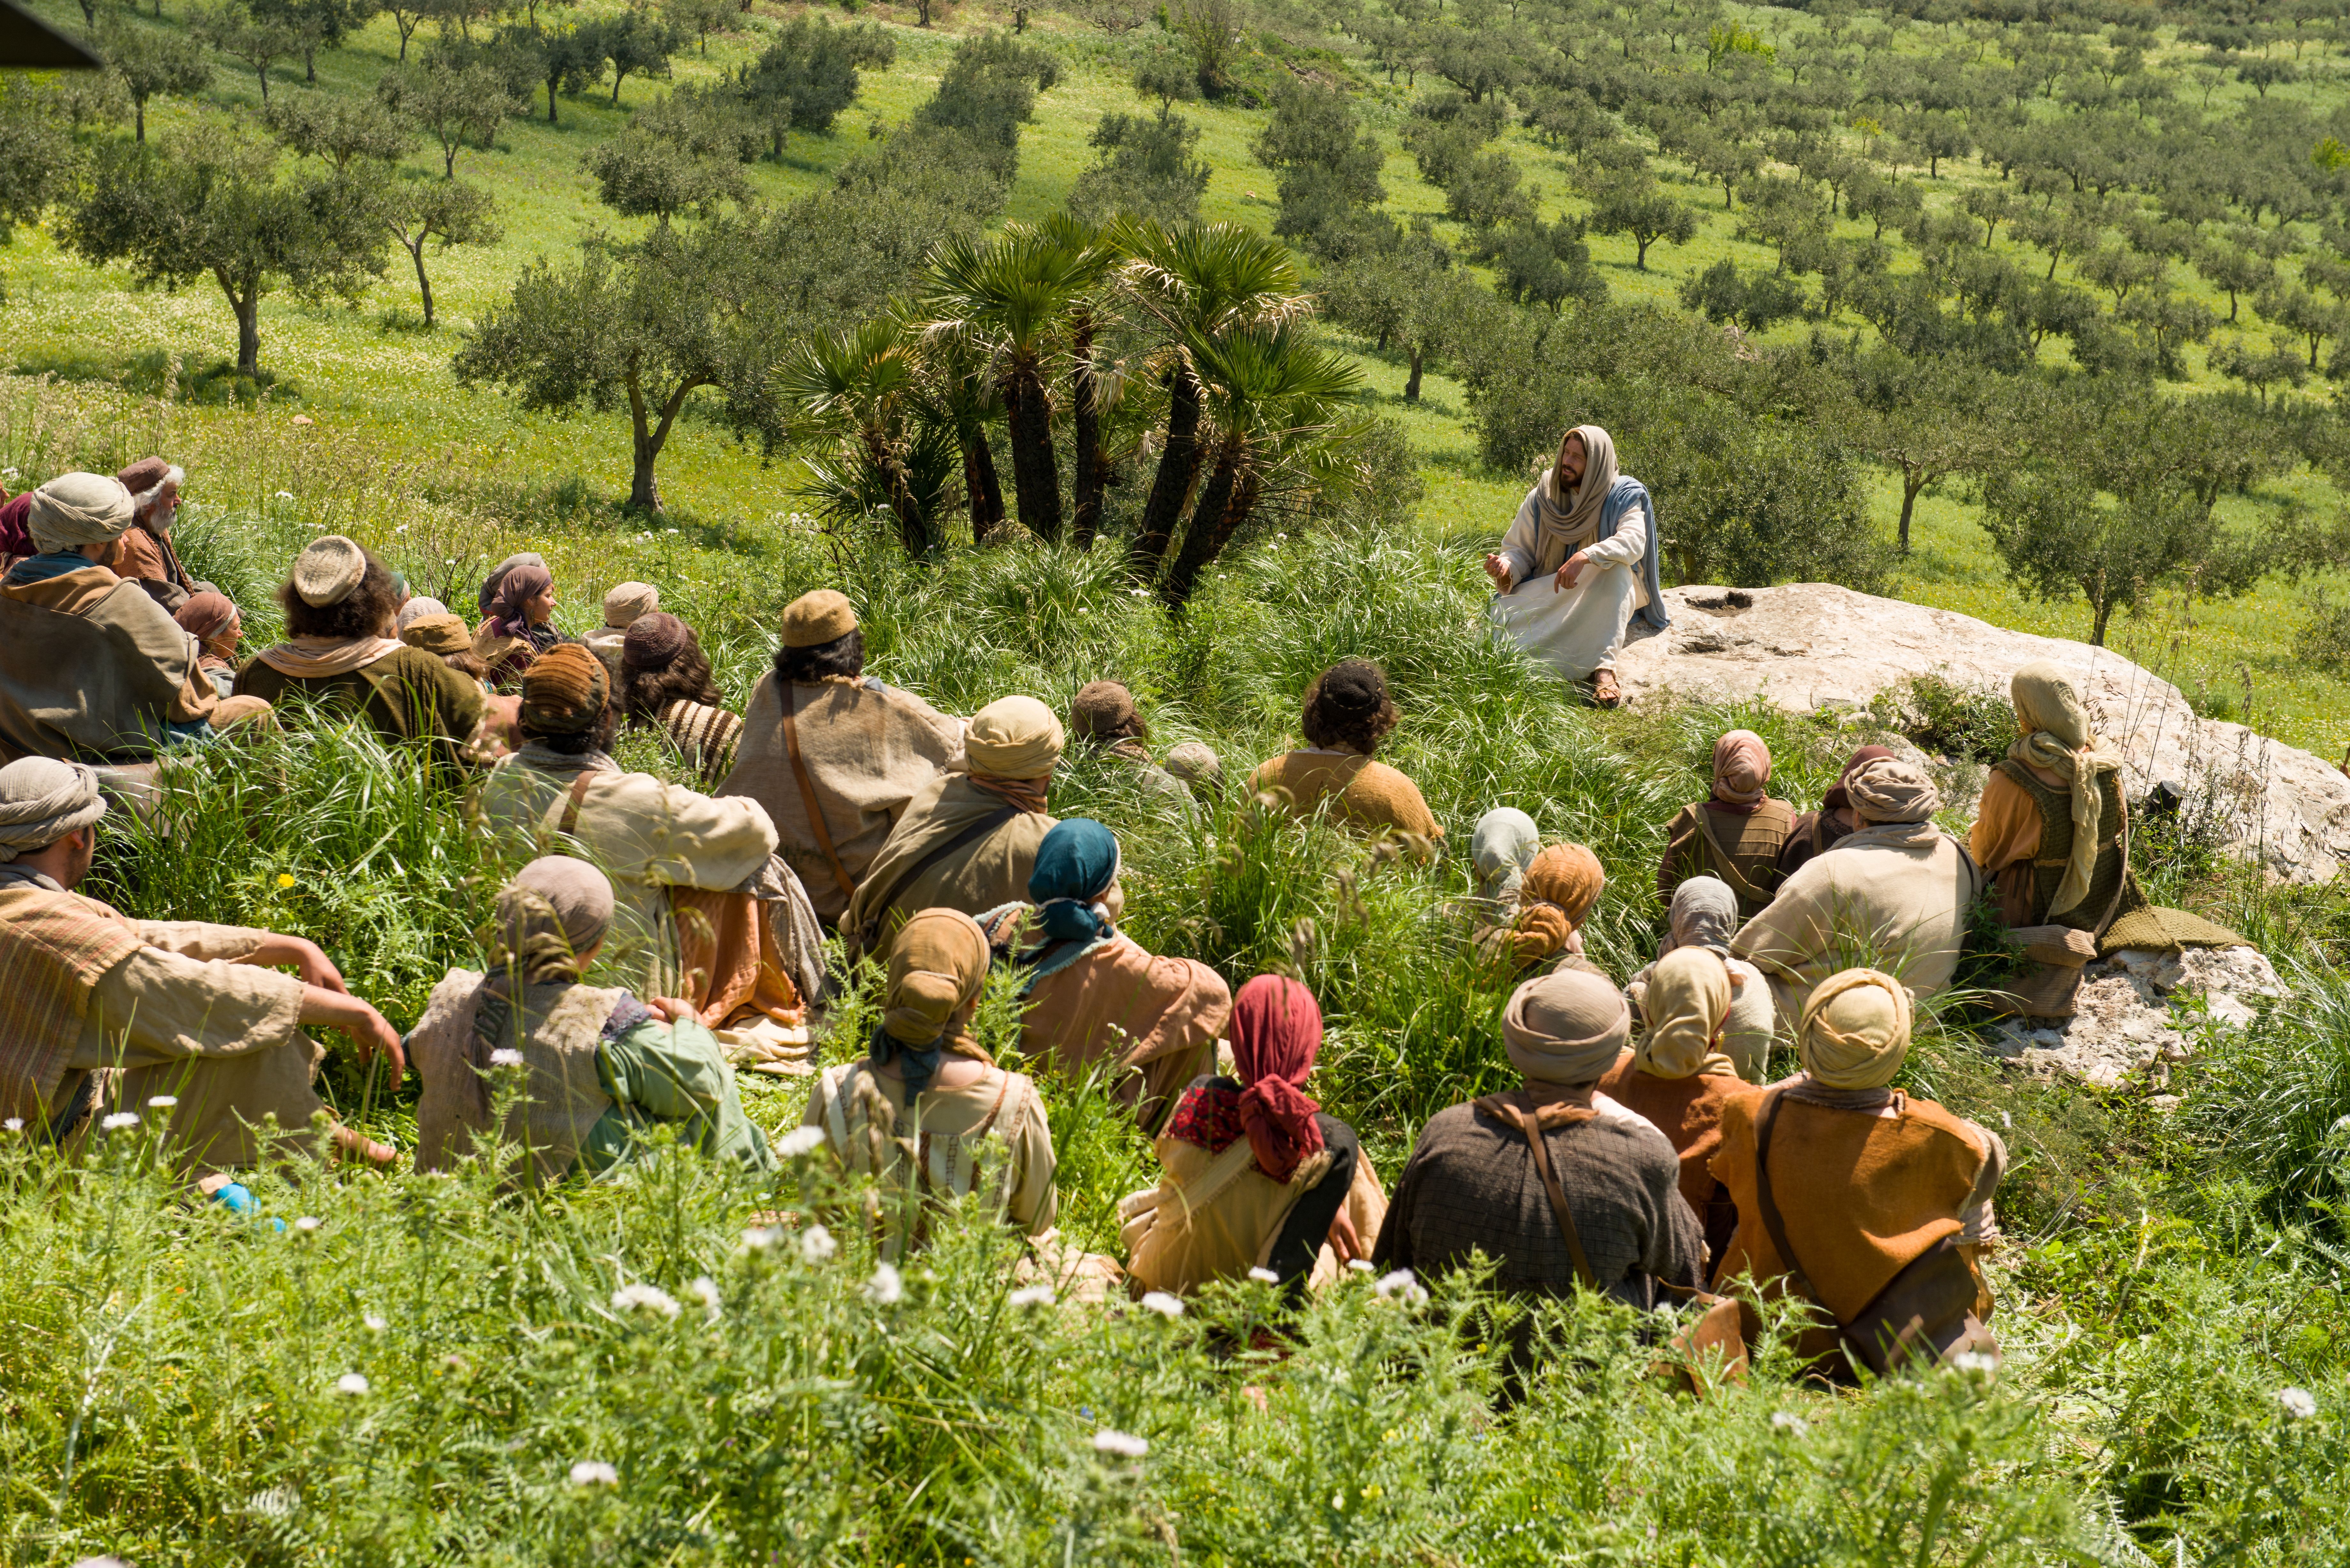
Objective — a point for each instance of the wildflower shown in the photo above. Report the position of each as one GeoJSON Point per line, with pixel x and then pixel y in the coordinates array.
{"type": "Point", "coordinates": [1163, 1304]}
{"type": "Point", "coordinates": [1787, 1421]}
{"type": "Point", "coordinates": [799, 1141]}
{"type": "Point", "coordinates": [818, 1246]}
{"type": "Point", "coordinates": [377, 1322]}
{"type": "Point", "coordinates": [161, 1102]}
{"type": "Point", "coordinates": [1337, 1503]}
{"type": "Point", "coordinates": [1360, 1265]}
{"type": "Point", "coordinates": [644, 1298]}
{"type": "Point", "coordinates": [93, 1562]}
{"type": "Point", "coordinates": [307, 1223]}
{"type": "Point", "coordinates": [594, 1472]}
{"type": "Point", "coordinates": [1031, 1296]}
{"type": "Point", "coordinates": [285, 878]}
{"type": "Point", "coordinates": [505, 1056]}
{"type": "Point", "coordinates": [759, 1238]}
{"type": "Point", "coordinates": [1400, 1284]}
{"type": "Point", "coordinates": [13, 1124]}
{"type": "Point", "coordinates": [285, 495]}
{"type": "Point", "coordinates": [119, 1120]}
{"type": "Point", "coordinates": [2299, 1403]}
{"type": "Point", "coordinates": [1125, 1445]}
{"type": "Point", "coordinates": [886, 1287]}
{"type": "Point", "coordinates": [351, 1383]}
{"type": "Point", "coordinates": [7, 474]}
{"type": "Point", "coordinates": [705, 1289]}
{"type": "Point", "coordinates": [1264, 1276]}
{"type": "Point", "coordinates": [1975, 1361]}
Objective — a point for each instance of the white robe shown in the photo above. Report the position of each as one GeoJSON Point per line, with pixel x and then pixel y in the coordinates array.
{"type": "Point", "coordinates": [1574, 630]}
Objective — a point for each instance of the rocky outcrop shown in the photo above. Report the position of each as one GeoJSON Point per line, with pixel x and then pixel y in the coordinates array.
{"type": "Point", "coordinates": [1809, 646]}
{"type": "Point", "coordinates": [2139, 1012]}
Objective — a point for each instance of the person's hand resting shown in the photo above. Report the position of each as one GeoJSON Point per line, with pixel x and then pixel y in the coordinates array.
{"type": "Point", "coordinates": [367, 1027]}
{"type": "Point", "coordinates": [1499, 570]}
{"type": "Point", "coordinates": [1571, 572]}
{"type": "Point", "coordinates": [672, 1011]}
{"type": "Point", "coordinates": [301, 955]}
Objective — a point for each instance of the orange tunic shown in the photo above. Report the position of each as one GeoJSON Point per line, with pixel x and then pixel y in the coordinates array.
{"type": "Point", "coordinates": [1370, 794]}
{"type": "Point", "coordinates": [1157, 1016]}
{"type": "Point", "coordinates": [1688, 1111]}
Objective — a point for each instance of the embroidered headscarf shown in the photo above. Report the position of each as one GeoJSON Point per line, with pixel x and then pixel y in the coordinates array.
{"type": "Point", "coordinates": [1502, 847]}
{"type": "Point", "coordinates": [1076, 864]}
{"type": "Point", "coordinates": [1892, 791]}
{"type": "Point", "coordinates": [2057, 736]}
{"type": "Point", "coordinates": [516, 589]}
{"type": "Point", "coordinates": [1561, 884]}
{"type": "Point", "coordinates": [1567, 1027]}
{"type": "Point", "coordinates": [938, 967]}
{"type": "Point", "coordinates": [1741, 768]}
{"type": "Point", "coordinates": [1686, 1006]}
{"type": "Point", "coordinates": [1855, 1030]}
{"type": "Point", "coordinates": [1704, 915]}
{"type": "Point", "coordinates": [1564, 523]}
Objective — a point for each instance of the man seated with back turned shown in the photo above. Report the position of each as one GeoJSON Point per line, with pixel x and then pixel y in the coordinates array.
{"type": "Point", "coordinates": [90, 666]}
{"type": "Point", "coordinates": [208, 1032]}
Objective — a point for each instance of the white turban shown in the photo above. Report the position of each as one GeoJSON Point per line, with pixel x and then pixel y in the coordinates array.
{"type": "Point", "coordinates": [41, 800]}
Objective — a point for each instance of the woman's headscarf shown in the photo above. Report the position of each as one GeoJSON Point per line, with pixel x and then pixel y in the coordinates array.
{"type": "Point", "coordinates": [1012, 745]}
{"type": "Point", "coordinates": [1687, 1003]}
{"type": "Point", "coordinates": [554, 912]}
{"type": "Point", "coordinates": [1567, 1027]}
{"type": "Point", "coordinates": [1839, 796]}
{"type": "Point", "coordinates": [1704, 915]}
{"type": "Point", "coordinates": [1076, 864]}
{"type": "Point", "coordinates": [1892, 791]}
{"type": "Point", "coordinates": [1855, 1030]}
{"type": "Point", "coordinates": [206, 617]}
{"type": "Point", "coordinates": [488, 597]}
{"type": "Point", "coordinates": [1276, 1033]}
{"type": "Point", "coordinates": [521, 585]}
{"type": "Point", "coordinates": [1741, 768]}
{"type": "Point", "coordinates": [938, 966]}
{"type": "Point", "coordinates": [1562, 883]}
{"type": "Point", "coordinates": [2057, 736]}
{"type": "Point", "coordinates": [1563, 524]}
{"type": "Point", "coordinates": [1502, 847]}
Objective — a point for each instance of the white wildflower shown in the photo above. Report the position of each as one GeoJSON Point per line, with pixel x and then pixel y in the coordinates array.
{"type": "Point", "coordinates": [1975, 1361]}
{"type": "Point", "coordinates": [1031, 1296]}
{"type": "Point", "coordinates": [594, 1472]}
{"type": "Point", "coordinates": [759, 1238]}
{"type": "Point", "coordinates": [2298, 1403]}
{"type": "Point", "coordinates": [1264, 1276]}
{"type": "Point", "coordinates": [705, 1289]}
{"type": "Point", "coordinates": [816, 1245]}
{"type": "Point", "coordinates": [1360, 1265]}
{"type": "Point", "coordinates": [353, 1383]}
{"type": "Point", "coordinates": [7, 474]}
{"type": "Point", "coordinates": [119, 1120]}
{"type": "Point", "coordinates": [285, 495]}
{"type": "Point", "coordinates": [1163, 1304]}
{"type": "Point", "coordinates": [307, 1223]}
{"type": "Point", "coordinates": [1125, 1445]}
{"type": "Point", "coordinates": [800, 1141]}
{"type": "Point", "coordinates": [644, 1298]}
{"type": "Point", "coordinates": [91, 1561]}
{"type": "Point", "coordinates": [377, 1322]}
{"type": "Point", "coordinates": [886, 1287]}
{"type": "Point", "coordinates": [13, 1124]}
{"type": "Point", "coordinates": [505, 1056]}
{"type": "Point", "coordinates": [1400, 1284]}
{"type": "Point", "coordinates": [161, 1102]}
{"type": "Point", "coordinates": [1787, 1421]}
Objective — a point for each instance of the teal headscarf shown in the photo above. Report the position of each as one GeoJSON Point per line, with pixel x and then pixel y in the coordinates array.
{"type": "Point", "coordinates": [1076, 865]}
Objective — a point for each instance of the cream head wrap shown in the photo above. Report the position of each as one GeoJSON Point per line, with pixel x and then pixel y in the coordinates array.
{"type": "Point", "coordinates": [1567, 1027]}
{"type": "Point", "coordinates": [1704, 915]}
{"type": "Point", "coordinates": [1855, 1030]}
{"type": "Point", "coordinates": [625, 603]}
{"type": "Point", "coordinates": [1564, 524]}
{"type": "Point", "coordinates": [330, 570]}
{"type": "Point", "coordinates": [77, 509]}
{"type": "Point", "coordinates": [552, 916]}
{"type": "Point", "coordinates": [1687, 1003]}
{"type": "Point", "coordinates": [41, 800]}
{"type": "Point", "coordinates": [1890, 790]}
{"type": "Point", "coordinates": [1013, 738]}
{"type": "Point", "coordinates": [2057, 736]}
{"type": "Point", "coordinates": [414, 610]}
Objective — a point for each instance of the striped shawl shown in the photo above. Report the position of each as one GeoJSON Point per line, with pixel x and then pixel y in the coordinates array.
{"type": "Point", "coordinates": [54, 949]}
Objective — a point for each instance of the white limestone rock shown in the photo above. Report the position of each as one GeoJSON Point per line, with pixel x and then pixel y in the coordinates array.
{"type": "Point", "coordinates": [2137, 1012]}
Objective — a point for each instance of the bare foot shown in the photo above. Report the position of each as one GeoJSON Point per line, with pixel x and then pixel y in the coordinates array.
{"type": "Point", "coordinates": [1603, 689]}
{"type": "Point", "coordinates": [352, 1144]}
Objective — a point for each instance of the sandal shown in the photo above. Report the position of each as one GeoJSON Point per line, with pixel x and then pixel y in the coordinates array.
{"type": "Point", "coordinates": [1605, 693]}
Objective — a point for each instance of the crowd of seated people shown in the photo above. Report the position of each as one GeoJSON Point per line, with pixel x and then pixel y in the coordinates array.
{"type": "Point", "coordinates": [1646, 1152]}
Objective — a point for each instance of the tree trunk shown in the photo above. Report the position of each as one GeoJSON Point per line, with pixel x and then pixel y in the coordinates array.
{"type": "Point", "coordinates": [1913, 480]}
{"type": "Point", "coordinates": [310, 67]}
{"type": "Point", "coordinates": [449, 160]}
{"type": "Point", "coordinates": [2104, 614]}
{"type": "Point", "coordinates": [980, 484]}
{"type": "Point", "coordinates": [1178, 467]}
{"type": "Point", "coordinates": [1640, 259]}
{"type": "Point", "coordinates": [1087, 462]}
{"type": "Point", "coordinates": [1412, 386]}
{"type": "Point", "coordinates": [550, 101]}
{"type": "Point", "coordinates": [644, 491]}
{"type": "Point", "coordinates": [424, 286]}
{"type": "Point", "coordinates": [139, 122]}
{"type": "Point", "coordinates": [1036, 476]}
{"type": "Point", "coordinates": [247, 306]}
{"type": "Point", "coordinates": [1225, 501]}
{"type": "Point", "coordinates": [265, 84]}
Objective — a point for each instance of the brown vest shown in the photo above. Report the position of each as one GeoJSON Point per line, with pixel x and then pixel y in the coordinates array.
{"type": "Point", "coordinates": [1688, 1111]}
{"type": "Point", "coordinates": [2111, 890]}
{"type": "Point", "coordinates": [1743, 851]}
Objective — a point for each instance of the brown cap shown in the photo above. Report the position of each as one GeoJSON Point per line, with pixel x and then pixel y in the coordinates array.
{"type": "Point", "coordinates": [565, 690]}
{"type": "Point", "coordinates": [813, 619]}
{"type": "Point", "coordinates": [145, 474]}
{"type": "Point", "coordinates": [442, 634]}
{"type": "Point", "coordinates": [653, 640]}
{"type": "Point", "coordinates": [1102, 711]}
{"type": "Point", "coordinates": [330, 571]}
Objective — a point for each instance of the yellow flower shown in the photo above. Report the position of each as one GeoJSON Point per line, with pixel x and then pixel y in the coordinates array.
{"type": "Point", "coordinates": [285, 878]}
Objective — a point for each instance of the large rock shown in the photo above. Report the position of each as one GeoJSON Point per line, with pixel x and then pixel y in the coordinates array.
{"type": "Point", "coordinates": [2136, 1010]}
{"type": "Point", "coordinates": [1813, 645]}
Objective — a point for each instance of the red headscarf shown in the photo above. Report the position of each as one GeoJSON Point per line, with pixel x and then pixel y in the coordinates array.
{"type": "Point", "coordinates": [1276, 1032]}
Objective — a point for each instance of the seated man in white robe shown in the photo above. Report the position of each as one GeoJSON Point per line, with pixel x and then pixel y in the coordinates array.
{"type": "Point", "coordinates": [1578, 563]}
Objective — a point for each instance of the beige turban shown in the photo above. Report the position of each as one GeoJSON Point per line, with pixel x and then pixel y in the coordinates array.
{"type": "Point", "coordinates": [77, 509]}
{"type": "Point", "coordinates": [814, 619]}
{"type": "Point", "coordinates": [41, 800]}
{"type": "Point", "coordinates": [442, 634]}
{"type": "Point", "coordinates": [1741, 768]}
{"type": "Point", "coordinates": [627, 602]}
{"type": "Point", "coordinates": [1890, 790]}
{"type": "Point", "coordinates": [937, 968]}
{"type": "Point", "coordinates": [1013, 738]}
{"type": "Point", "coordinates": [1567, 1027]}
{"type": "Point", "coordinates": [416, 610]}
{"type": "Point", "coordinates": [1687, 1003]}
{"type": "Point", "coordinates": [1855, 1030]}
{"type": "Point", "coordinates": [554, 913]}
{"type": "Point", "coordinates": [2057, 736]}
{"type": "Point", "coordinates": [330, 571]}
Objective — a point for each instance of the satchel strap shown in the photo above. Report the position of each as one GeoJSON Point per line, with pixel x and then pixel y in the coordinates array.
{"type": "Point", "coordinates": [1499, 1107]}
{"type": "Point", "coordinates": [871, 929]}
{"type": "Point", "coordinates": [570, 823]}
{"type": "Point", "coordinates": [1773, 1221]}
{"type": "Point", "coordinates": [807, 795]}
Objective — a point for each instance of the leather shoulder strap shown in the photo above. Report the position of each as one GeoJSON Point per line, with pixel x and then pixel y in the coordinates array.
{"type": "Point", "coordinates": [807, 795]}
{"type": "Point", "coordinates": [938, 852]}
{"type": "Point", "coordinates": [1774, 1223]}
{"type": "Point", "coordinates": [1531, 1127]}
{"type": "Point", "coordinates": [570, 823]}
